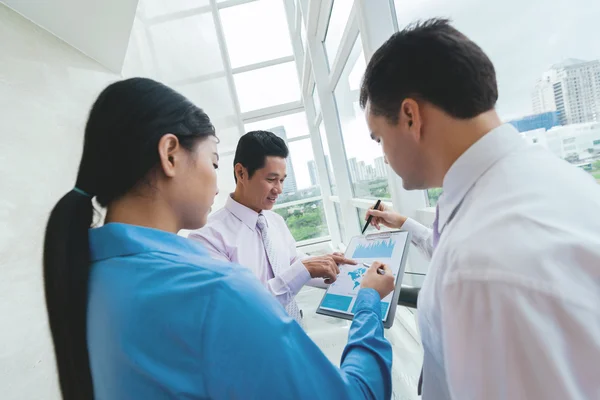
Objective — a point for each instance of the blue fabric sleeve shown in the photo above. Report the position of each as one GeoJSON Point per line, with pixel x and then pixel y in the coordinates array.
{"type": "Point", "coordinates": [254, 350]}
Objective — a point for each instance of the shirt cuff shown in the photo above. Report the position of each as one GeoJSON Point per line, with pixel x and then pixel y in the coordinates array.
{"type": "Point", "coordinates": [420, 232]}
{"type": "Point", "coordinates": [368, 300]}
{"type": "Point", "coordinates": [295, 277]}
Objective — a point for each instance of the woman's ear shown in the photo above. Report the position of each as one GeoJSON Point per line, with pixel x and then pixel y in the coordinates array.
{"type": "Point", "coordinates": [168, 152]}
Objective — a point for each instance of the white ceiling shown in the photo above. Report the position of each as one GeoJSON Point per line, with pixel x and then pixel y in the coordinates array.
{"type": "Point", "coordinates": [99, 29]}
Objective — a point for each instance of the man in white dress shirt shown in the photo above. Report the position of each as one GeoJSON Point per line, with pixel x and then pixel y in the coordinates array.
{"type": "Point", "coordinates": [510, 307]}
{"type": "Point", "coordinates": [246, 232]}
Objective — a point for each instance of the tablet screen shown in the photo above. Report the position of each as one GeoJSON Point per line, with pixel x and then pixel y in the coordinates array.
{"type": "Point", "coordinates": [387, 248]}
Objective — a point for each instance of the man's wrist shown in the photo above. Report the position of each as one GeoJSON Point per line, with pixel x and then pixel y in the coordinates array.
{"type": "Point", "coordinates": [401, 221]}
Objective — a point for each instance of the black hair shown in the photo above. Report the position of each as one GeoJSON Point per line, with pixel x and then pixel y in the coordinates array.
{"type": "Point", "coordinates": [433, 62]}
{"type": "Point", "coordinates": [254, 148]}
{"type": "Point", "coordinates": [120, 148]}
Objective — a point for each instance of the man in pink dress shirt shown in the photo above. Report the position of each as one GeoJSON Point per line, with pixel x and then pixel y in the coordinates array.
{"type": "Point", "coordinates": [246, 232]}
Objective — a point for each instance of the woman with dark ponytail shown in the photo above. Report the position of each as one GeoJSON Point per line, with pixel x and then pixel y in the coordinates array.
{"type": "Point", "coordinates": [137, 312]}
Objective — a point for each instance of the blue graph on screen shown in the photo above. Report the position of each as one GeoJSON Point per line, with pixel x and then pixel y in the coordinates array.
{"type": "Point", "coordinates": [376, 249]}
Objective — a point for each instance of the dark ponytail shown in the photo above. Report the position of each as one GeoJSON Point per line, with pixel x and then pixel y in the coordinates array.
{"type": "Point", "coordinates": [120, 148]}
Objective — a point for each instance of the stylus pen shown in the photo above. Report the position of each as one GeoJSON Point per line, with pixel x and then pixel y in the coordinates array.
{"type": "Point", "coordinates": [371, 217]}
{"type": "Point", "coordinates": [380, 270]}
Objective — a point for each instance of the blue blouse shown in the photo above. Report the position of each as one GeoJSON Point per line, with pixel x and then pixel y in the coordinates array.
{"type": "Point", "coordinates": [166, 321]}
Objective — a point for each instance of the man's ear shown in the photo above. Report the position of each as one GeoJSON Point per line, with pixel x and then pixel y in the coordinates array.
{"type": "Point", "coordinates": [240, 172]}
{"type": "Point", "coordinates": [410, 117]}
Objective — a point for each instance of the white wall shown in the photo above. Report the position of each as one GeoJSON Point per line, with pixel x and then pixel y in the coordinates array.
{"type": "Point", "coordinates": [78, 22]}
{"type": "Point", "coordinates": [46, 90]}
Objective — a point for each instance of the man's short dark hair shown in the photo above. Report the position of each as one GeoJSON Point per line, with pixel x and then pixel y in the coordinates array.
{"type": "Point", "coordinates": [433, 62]}
{"type": "Point", "coordinates": [254, 147]}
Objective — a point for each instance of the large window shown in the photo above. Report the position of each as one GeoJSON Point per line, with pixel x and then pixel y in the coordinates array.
{"type": "Point", "coordinates": [365, 158]}
{"type": "Point", "coordinates": [325, 144]}
{"type": "Point", "coordinates": [305, 221]}
{"type": "Point", "coordinates": [256, 32]}
{"type": "Point", "coordinates": [267, 87]}
{"type": "Point", "coordinates": [338, 20]}
{"type": "Point", "coordinates": [548, 73]}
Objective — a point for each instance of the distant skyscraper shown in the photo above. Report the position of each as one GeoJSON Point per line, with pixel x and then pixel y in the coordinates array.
{"type": "Point", "coordinates": [573, 89]}
{"type": "Point", "coordinates": [543, 95]}
{"type": "Point", "coordinates": [353, 165]}
{"type": "Point", "coordinates": [371, 173]}
{"type": "Point", "coordinates": [312, 171]}
{"type": "Point", "coordinates": [289, 185]}
{"type": "Point", "coordinates": [380, 170]}
{"type": "Point", "coordinates": [329, 171]}
{"type": "Point", "coordinates": [362, 171]}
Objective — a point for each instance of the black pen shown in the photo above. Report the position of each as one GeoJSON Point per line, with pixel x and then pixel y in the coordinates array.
{"type": "Point", "coordinates": [371, 217]}
{"type": "Point", "coordinates": [380, 270]}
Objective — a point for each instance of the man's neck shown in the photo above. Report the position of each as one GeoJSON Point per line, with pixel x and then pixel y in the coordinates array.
{"type": "Point", "coordinates": [239, 197]}
{"type": "Point", "coordinates": [461, 135]}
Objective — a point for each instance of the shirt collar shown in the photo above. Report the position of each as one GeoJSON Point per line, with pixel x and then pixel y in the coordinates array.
{"type": "Point", "coordinates": [472, 164]}
{"type": "Point", "coordinates": [248, 216]}
{"type": "Point", "coordinates": [118, 240]}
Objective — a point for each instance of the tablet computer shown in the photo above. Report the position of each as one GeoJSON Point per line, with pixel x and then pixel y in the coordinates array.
{"type": "Point", "coordinates": [390, 248]}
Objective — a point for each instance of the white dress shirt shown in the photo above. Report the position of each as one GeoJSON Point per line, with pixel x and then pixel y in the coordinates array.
{"type": "Point", "coordinates": [231, 235]}
{"type": "Point", "coordinates": [510, 307]}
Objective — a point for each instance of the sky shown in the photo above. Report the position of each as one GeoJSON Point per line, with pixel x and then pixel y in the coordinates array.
{"type": "Point", "coordinates": [523, 38]}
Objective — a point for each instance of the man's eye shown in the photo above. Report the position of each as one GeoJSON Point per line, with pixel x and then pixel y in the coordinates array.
{"type": "Point", "coordinates": [270, 179]}
{"type": "Point", "coordinates": [216, 166]}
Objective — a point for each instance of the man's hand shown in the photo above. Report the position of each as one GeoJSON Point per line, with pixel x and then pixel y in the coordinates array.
{"type": "Point", "coordinates": [384, 284]}
{"type": "Point", "coordinates": [383, 216]}
{"type": "Point", "coordinates": [326, 266]}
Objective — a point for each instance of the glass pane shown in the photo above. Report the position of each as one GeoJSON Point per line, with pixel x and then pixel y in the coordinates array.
{"type": "Point", "coordinates": [174, 44]}
{"type": "Point", "coordinates": [365, 159]}
{"type": "Point", "coordinates": [225, 181]}
{"type": "Point", "coordinates": [302, 174]}
{"type": "Point", "coordinates": [362, 212]}
{"type": "Point", "coordinates": [305, 221]}
{"type": "Point", "coordinates": [338, 214]}
{"type": "Point", "coordinates": [155, 8]}
{"type": "Point", "coordinates": [316, 100]}
{"type": "Point", "coordinates": [267, 87]}
{"type": "Point", "coordinates": [325, 145]}
{"type": "Point", "coordinates": [548, 73]}
{"type": "Point", "coordinates": [338, 20]}
{"type": "Point", "coordinates": [294, 125]}
{"type": "Point", "coordinates": [256, 32]}
{"type": "Point", "coordinates": [433, 196]}
{"type": "Point", "coordinates": [214, 97]}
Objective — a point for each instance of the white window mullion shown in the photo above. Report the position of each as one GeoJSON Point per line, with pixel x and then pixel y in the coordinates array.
{"type": "Point", "coordinates": [319, 157]}
{"type": "Point", "coordinates": [334, 135]}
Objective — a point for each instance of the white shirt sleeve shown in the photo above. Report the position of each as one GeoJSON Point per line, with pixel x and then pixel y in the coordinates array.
{"type": "Point", "coordinates": [500, 336]}
{"type": "Point", "coordinates": [422, 237]}
{"type": "Point", "coordinates": [210, 243]}
{"type": "Point", "coordinates": [287, 284]}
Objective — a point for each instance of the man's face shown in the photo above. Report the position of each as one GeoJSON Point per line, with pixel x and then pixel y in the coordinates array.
{"type": "Point", "coordinates": [266, 184]}
{"type": "Point", "coordinates": [401, 145]}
